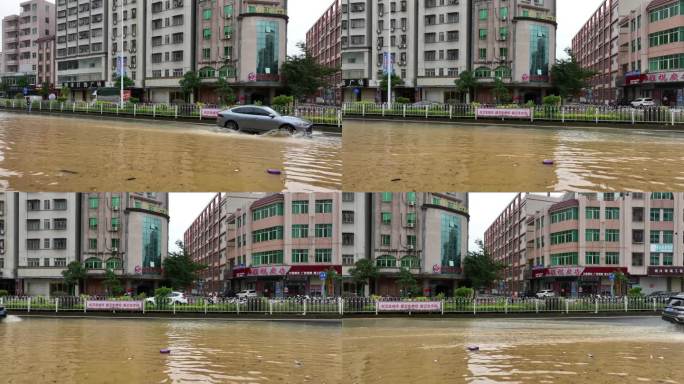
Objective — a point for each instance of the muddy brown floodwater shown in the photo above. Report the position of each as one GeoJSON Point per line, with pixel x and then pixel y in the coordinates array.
{"type": "Point", "coordinates": [47, 153]}
{"type": "Point", "coordinates": [400, 156]}
{"type": "Point", "coordinates": [398, 351]}
{"type": "Point", "coordinates": [127, 351]}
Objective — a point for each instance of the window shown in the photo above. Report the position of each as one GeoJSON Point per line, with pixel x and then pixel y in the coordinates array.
{"type": "Point", "coordinates": [347, 217]}
{"type": "Point", "coordinates": [324, 206]}
{"type": "Point", "coordinates": [116, 202]}
{"type": "Point", "coordinates": [655, 214]}
{"type": "Point", "coordinates": [655, 259]}
{"type": "Point", "coordinates": [411, 197]}
{"type": "Point", "coordinates": [638, 236]}
{"type": "Point", "coordinates": [386, 261]}
{"type": "Point", "coordinates": [567, 258]}
{"type": "Point", "coordinates": [668, 237]}
{"type": "Point", "coordinates": [593, 213]}
{"type": "Point", "coordinates": [60, 262]}
{"type": "Point", "coordinates": [411, 219]}
{"type": "Point", "coordinates": [300, 207]}
{"type": "Point", "coordinates": [386, 217]}
{"type": "Point", "coordinates": [93, 202]}
{"type": "Point", "coordinates": [483, 34]}
{"type": "Point", "coordinates": [564, 215]}
{"type": "Point", "coordinates": [267, 258]}
{"type": "Point", "coordinates": [593, 235]}
{"type": "Point", "coordinates": [324, 230]}
{"type": "Point", "coordinates": [662, 196]}
{"type": "Point", "coordinates": [116, 222]}
{"type": "Point", "coordinates": [324, 255]}
{"type": "Point", "coordinates": [564, 237]}
{"type": "Point", "coordinates": [347, 259]}
{"type": "Point", "coordinates": [386, 240]}
{"type": "Point", "coordinates": [411, 240]}
{"type": "Point", "coordinates": [113, 263]}
{"type": "Point", "coordinates": [667, 259]}
{"type": "Point", "coordinates": [93, 263]}
{"type": "Point", "coordinates": [592, 258]}
{"type": "Point", "coordinates": [92, 243]}
{"type": "Point", "coordinates": [267, 234]}
{"type": "Point", "coordinates": [637, 259]}
{"type": "Point", "coordinates": [612, 213]}
{"type": "Point", "coordinates": [655, 237]}
{"type": "Point", "coordinates": [348, 238]}
{"type": "Point", "coordinates": [33, 262]}
{"type": "Point", "coordinates": [612, 258]}
{"type": "Point", "coordinates": [300, 256]}
{"type": "Point", "coordinates": [267, 211]}
{"type": "Point", "coordinates": [386, 197]}
{"type": "Point", "coordinates": [668, 214]}
{"type": "Point", "coordinates": [92, 223]}
{"type": "Point", "coordinates": [410, 262]}
{"type": "Point", "coordinates": [484, 14]}
{"type": "Point", "coordinates": [206, 14]}
{"type": "Point", "coordinates": [206, 32]}
{"type": "Point", "coordinates": [612, 235]}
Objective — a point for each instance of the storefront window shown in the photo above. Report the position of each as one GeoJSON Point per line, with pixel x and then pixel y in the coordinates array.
{"type": "Point", "coordinates": [267, 47]}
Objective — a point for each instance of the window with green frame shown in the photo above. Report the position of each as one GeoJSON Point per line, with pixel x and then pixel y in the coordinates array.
{"type": "Point", "coordinates": [411, 240]}
{"type": "Point", "coordinates": [663, 63]}
{"type": "Point", "coordinates": [662, 196]}
{"type": "Point", "coordinates": [270, 210]}
{"type": "Point", "coordinates": [655, 259]}
{"type": "Point", "coordinates": [92, 243]}
{"type": "Point", "coordinates": [612, 258]}
{"type": "Point", "coordinates": [206, 14]}
{"type": "Point", "coordinates": [93, 263]}
{"type": "Point", "coordinates": [386, 240]}
{"type": "Point", "coordinates": [502, 72]}
{"type": "Point", "coordinates": [503, 33]}
{"type": "Point", "coordinates": [564, 215]}
{"type": "Point", "coordinates": [482, 54]}
{"type": "Point", "coordinates": [411, 219]}
{"type": "Point", "coordinates": [668, 237]}
{"type": "Point", "coordinates": [324, 206]}
{"type": "Point", "coordinates": [410, 262]}
{"type": "Point", "coordinates": [116, 223]}
{"type": "Point", "coordinates": [116, 202]}
{"type": "Point", "coordinates": [668, 36]}
{"type": "Point", "coordinates": [228, 10]}
{"type": "Point", "coordinates": [567, 258]}
{"type": "Point", "coordinates": [483, 72]}
{"type": "Point", "coordinates": [654, 238]}
{"type": "Point", "coordinates": [92, 223]}
{"type": "Point", "coordinates": [411, 197]}
{"type": "Point", "coordinates": [300, 207]}
{"type": "Point", "coordinates": [323, 255]}
{"type": "Point", "coordinates": [386, 217]}
{"type": "Point", "coordinates": [564, 237]}
{"type": "Point", "coordinates": [655, 214]}
{"type": "Point", "coordinates": [667, 259]}
{"type": "Point", "coordinates": [300, 231]}
{"type": "Point", "coordinates": [612, 235]}
{"type": "Point", "coordinates": [386, 197]}
{"type": "Point", "coordinates": [593, 234]}
{"type": "Point", "coordinates": [93, 202]}
{"type": "Point", "coordinates": [666, 11]}
{"type": "Point", "coordinates": [592, 258]}
{"type": "Point", "coordinates": [115, 244]}
{"type": "Point", "coordinates": [207, 72]}
{"type": "Point", "coordinates": [503, 13]}
{"type": "Point", "coordinates": [267, 258]}
{"type": "Point", "coordinates": [227, 31]}
{"type": "Point", "coordinates": [436, 200]}
{"type": "Point", "coordinates": [525, 13]}
{"type": "Point", "coordinates": [386, 261]}
{"type": "Point", "coordinates": [503, 52]}
{"type": "Point", "coordinates": [267, 234]}
{"type": "Point", "coordinates": [483, 34]}
{"type": "Point", "coordinates": [300, 256]}
{"type": "Point", "coordinates": [612, 213]}
{"type": "Point", "coordinates": [227, 71]}
{"type": "Point", "coordinates": [593, 213]}
{"type": "Point", "coordinates": [668, 214]}
{"type": "Point", "coordinates": [114, 263]}
{"type": "Point", "coordinates": [206, 33]}
{"type": "Point", "coordinates": [324, 230]}
{"type": "Point", "coordinates": [484, 14]}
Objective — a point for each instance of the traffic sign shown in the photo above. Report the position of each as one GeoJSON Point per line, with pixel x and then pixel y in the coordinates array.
{"type": "Point", "coordinates": [611, 277]}
{"type": "Point", "coordinates": [323, 276]}
{"type": "Point", "coordinates": [25, 91]}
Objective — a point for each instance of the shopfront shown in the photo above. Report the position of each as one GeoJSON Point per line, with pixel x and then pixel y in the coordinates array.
{"type": "Point", "coordinates": [574, 281]}
{"type": "Point", "coordinates": [666, 88]}
{"type": "Point", "coordinates": [284, 280]}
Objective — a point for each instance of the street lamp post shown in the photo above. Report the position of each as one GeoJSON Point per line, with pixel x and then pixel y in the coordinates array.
{"type": "Point", "coordinates": [389, 56]}
{"type": "Point", "coordinates": [121, 56]}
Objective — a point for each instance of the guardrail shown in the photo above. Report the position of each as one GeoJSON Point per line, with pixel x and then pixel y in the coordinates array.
{"type": "Point", "coordinates": [320, 115]}
{"type": "Point", "coordinates": [336, 306]}
{"type": "Point", "coordinates": [563, 114]}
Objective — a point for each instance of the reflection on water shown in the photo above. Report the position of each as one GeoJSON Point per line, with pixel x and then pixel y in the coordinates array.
{"type": "Point", "coordinates": [127, 351]}
{"type": "Point", "coordinates": [398, 156]}
{"type": "Point", "coordinates": [512, 351]}
{"type": "Point", "coordinates": [68, 154]}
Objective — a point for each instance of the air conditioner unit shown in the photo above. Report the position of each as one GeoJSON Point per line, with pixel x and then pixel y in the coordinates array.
{"type": "Point", "coordinates": [412, 203]}
{"type": "Point", "coordinates": [403, 29]}
{"type": "Point", "coordinates": [2, 232]}
{"type": "Point", "coordinates": [115, 249]}
{"type": "Point", "coordinates": [503, 58]}
{"type": "Point", "coordinates": [410, 246]}
{"type": "Point", "coordinates": [115, 208]}
{"type": "Point", "coordinates": [411, 225]}
{"type": "Point", "coordinates": [379, 31]}
{"type": "Point", "coordinates": [2, 251]}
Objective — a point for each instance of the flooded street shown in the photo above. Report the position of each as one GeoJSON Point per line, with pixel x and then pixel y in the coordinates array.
{"type": "Point", "coordinates": [47, 153]}
{"type": "Point", "coordinates": [398, 156]}
{"type": "Point", "coordinates": [127, 351]}
{"type": "Point", "coordinates": [513, 351]}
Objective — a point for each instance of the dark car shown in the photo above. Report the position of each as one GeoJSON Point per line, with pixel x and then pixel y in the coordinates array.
{"type": "Point", "coordinates": [674, 311]}
{"type": "Point", "coordinates": [254, 118]}
{"type": "Point", "coordinates": [3, 312]}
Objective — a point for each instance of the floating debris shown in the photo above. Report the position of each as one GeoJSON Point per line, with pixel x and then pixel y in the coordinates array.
{"type": "Point", "coordinates": [272, 171]}
{"type": "Point", "coordinates": [473, 348]}
{"type": "Point", "coordinates": [165, 351]}
{"type": "Point", "coordinates": [547, 162]}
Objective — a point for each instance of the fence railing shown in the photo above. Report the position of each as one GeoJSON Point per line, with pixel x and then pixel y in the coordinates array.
{"type": "Point", "coordinates": [320, 115]}
{"type": "Point", "coordinates": [334, 306]}
{"type": "Point", "coordinates": [571, 113]}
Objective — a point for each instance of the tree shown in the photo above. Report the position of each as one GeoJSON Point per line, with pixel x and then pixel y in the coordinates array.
{"type": "Point", "coordinates": [480, 269]}
{"type": "Point", "coordinates": [74, 274]}
{"type": "Point", "coordinates": [64, 94]}
{"type": "Point", "coordinates": [112, 284]}
{"type": "Point", "coordinates": [225, 92]}
{"type": "Point", "coordinates": [363, 272]}
{"type": "Point", "coordinates": [303, 75]}
{"type": "Point", "coordinates": [179, 269]}
{"type": "Point", "coordinates": [466, 83]}
{"type": "Point", "coordinates": [396, 82]}
{"type": "Point", "coordinates": [501, 93]}
{"type": "Point", "coordinates": [189, 84]}
{"type": "Point", "coordinates": [128, 83]}
{"type": "Point", "coordinates": [568, 77]}
{"type": "Point", "coordinates": [44, 90]}
{"type": "Point", "coordinates": [332, 277]}
{"type": "Point", "coordinates": [22, 82]}
{"type": "Point", "coordinates": [407, 283]}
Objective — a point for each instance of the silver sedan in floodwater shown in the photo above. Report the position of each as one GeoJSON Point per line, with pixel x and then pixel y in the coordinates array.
{"type": "Point", "coordinates": [254, 118]}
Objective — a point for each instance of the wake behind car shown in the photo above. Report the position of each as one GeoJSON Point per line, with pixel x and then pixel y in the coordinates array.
{"type": "Point", "coordinates": [3, 312]}
{"type": "Point", "coordinates": [259, 119]}
{"type": "Point", "coordinates": [674, 311]}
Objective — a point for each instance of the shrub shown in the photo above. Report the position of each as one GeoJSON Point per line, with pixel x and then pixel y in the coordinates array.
{"type": "Point", "coordinates": [464, 292]}
{"type": "Point", "coordinates": [282, 100]}
{"type": "Point", "coordinates": [162, 293]}
{"type": "Point", "coordinates": [552, 101]}
{"type": "Point", "coordinates": [3, 292]}
{"type": "Point", "coordinates": [635, 292]}
{"type": "Point", "coordinates": [530, 104]}
{"type": "Point", "coordinates": [402, 100]}
{"type": "Point", "coordinates": [440, 296]}
{"type": "Point", "coordinates": [19, 96]}
{"type": "Point", "coordinates": [134, 100]}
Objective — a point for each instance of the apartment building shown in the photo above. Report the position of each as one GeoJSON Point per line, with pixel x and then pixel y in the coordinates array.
{"type": "Point", "coordinates": [506, 240]}
{"type": "Point", "coordinates": [45, 71]}
{"type": "Point", "coordinates": [127, 17]}
{"type": "Point", "coordinates": [426, 42]}
{"type": "Point", "coordinates": [126, 233]}
{"type": "Point", "coordinates": [8, 241]}
{"type": "Point", "coordinates": [651, 54]}
{"type": "Point", "coordinates": [425, 233]}
{"type": "Point", "coordinates": [280, 244]}
{"type": "Point", "coordinates": [356, 236]}
{"type": "Point", "coordinates": [20, 35]}
{"type": "Point", "coordinates": [596, 47]}
{"type": "Point", "coordinates": [244, 43]}
{"type": "Point", "coordinates": [82, 46]}
{"type": "Point", "coordinates": [515, 42]}
{"type": "Point", "coordinates": [577, 243]}
{"type": "Point", "coordinates": [170, 48]}
{"type": "Point", "coordinates": [323, 43]}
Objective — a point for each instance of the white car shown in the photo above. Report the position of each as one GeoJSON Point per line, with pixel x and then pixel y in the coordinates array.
{"type": "Point", "coordinates": [247, 293]}
{"type": "Point", "coordinates": [545, 293]}
{"type": "Point", "coordinates": [174, 298]}
{"type": "Point", "coordinates": [643, 102]}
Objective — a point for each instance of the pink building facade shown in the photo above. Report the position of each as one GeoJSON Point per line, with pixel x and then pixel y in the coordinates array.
{"type": "Point", "coordinates": [323, 41]}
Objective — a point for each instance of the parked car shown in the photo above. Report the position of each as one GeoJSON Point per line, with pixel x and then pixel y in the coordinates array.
{"type": "Point", "coordinates": [544, 293]}
{"type": "Point", "coordinates": [3, 312]}
{"type": "Point", "coordinates": [643, 102]}
{"type": "Point", "coordinates": [674, 311]}
{"type": "Point", "coordinates": [254, 118]}
{"type": "Point", "coordinates": [246, 294]}
{"type": "Point", "coordinates": [173, 298]}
